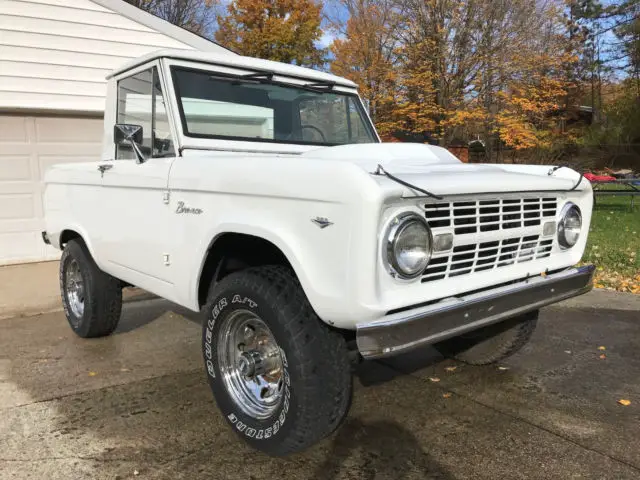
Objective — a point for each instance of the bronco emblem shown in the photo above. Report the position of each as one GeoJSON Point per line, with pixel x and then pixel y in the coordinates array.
{"type": "Point", "coordinates": [184, 209]}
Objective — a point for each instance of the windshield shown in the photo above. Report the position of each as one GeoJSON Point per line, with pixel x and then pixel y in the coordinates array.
{"type": "Point", "coordinates": [255, 108]}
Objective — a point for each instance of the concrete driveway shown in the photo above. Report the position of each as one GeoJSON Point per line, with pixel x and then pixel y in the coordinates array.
{"type": "Point", "coordinates": [136, 405]}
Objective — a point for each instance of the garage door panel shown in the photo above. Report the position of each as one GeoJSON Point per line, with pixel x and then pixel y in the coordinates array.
{"type": "Point", "coordinates": [15, 168]}
{"type": "Point", "coordinates": [19, 246]}
{"type": "Point", "coordinates": [29, 145]}
{"type": "Point", "coordinates": [17, 207]}
{"type": "Point", "coordinates": [68, 130]}
{"type": "Point", "coordinates": [13, 129]}
{"type": "Point", "coordinates": [30, 225]}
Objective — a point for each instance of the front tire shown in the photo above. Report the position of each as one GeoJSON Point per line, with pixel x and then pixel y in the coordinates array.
{"type": "Point", "coordinates": [493, 343]}
{"type": "Point", "coordinates": [280, 376]}
{"type": "Point", "coordinates": [92, 299]}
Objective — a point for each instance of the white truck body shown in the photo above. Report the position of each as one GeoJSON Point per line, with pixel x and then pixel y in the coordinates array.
{"type": "Point", "coordinates": [151, 224]}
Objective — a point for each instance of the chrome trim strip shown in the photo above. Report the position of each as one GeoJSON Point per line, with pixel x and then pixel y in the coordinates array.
{"type": "Point", "coordinates": [404, 331]}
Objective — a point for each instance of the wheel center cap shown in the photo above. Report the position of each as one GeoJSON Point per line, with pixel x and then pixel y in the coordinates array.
{"type": "Point", "coordinates": [249, 363]}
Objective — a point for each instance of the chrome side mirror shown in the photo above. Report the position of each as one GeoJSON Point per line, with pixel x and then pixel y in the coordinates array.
{"type": "Point", "coordinates": [130, 135]}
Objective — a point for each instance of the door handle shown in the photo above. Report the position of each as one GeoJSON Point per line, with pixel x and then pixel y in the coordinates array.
{"type": "Point", "coordinates": [104, 167]}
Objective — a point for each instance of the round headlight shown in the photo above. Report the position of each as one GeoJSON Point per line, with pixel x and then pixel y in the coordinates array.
{"type": "Point", "coordinates": [409, 245]}
{"type": "Point", "coordinates": [569, 225]}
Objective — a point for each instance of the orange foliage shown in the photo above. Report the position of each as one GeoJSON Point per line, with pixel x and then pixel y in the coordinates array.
{"type": "Point", "coordinates": [532, 103]}
{"type": "Point", "coordinates": [280, 30]}
{"type": "Point", "coordinates": [432, 69]}
{"type": "Point", "coordinates": [365, 57]}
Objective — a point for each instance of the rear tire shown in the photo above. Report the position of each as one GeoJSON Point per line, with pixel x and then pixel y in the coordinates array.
{"type": "Point", "coordinates": [259, 329]}
{"type": "Point", "coordinates": [92, 299]}
{"type": "Point", "coordinates": [493, 343]}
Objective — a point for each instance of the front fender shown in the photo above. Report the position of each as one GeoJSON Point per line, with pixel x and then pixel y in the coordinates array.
{"type": "Point", "coordinates": [318, 255]}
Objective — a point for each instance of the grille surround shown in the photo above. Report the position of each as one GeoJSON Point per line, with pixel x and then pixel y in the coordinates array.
{"type": "Point", "coordinates": [489, 233]}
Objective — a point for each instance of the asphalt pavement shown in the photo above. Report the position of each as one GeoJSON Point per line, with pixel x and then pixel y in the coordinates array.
{"type": "Point", "coordinates": [137, 405]}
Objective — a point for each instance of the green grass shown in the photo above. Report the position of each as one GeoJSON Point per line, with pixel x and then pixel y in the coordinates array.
{"type": "Point", "coordinates": [614, 236]}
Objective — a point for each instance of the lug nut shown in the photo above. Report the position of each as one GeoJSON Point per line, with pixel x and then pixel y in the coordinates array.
{"type": "Point", "coordinates": [248, 332]}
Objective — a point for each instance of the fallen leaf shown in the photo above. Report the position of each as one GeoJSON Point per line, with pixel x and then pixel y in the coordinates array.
{"type": "Point", "coordinates": [603, 356]}
{"type": "Point", "coordinates": [602, 348]}
{"type": "Point", "coordinates": [624, 402]}
{"type": "Point", "coordinates": [434, 379]}
{"type": "Point", "coordinates": [451, 369]}
{"type": "Point", "coordinates": [92, 374]}
{"type": "Point", "coordinates": [446, 395]}
{"type": "Point", "coordinates": [136, 473]}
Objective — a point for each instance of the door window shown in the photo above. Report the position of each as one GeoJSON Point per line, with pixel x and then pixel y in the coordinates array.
{"type": "Point", "coordinates": [141, 102]}
{"type": "Point", "coordinates": [335, 117]}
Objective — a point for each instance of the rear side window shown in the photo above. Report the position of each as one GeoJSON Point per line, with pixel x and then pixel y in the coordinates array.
{"type": "Point", "coordinates": [141, 102]}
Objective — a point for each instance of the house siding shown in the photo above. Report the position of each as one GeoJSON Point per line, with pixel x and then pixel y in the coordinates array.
{"type": "Point", "coordinates": [55, 54]}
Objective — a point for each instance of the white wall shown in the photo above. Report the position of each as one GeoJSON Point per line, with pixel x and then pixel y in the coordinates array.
{"type": "Point", "coordinates": [55, 54]}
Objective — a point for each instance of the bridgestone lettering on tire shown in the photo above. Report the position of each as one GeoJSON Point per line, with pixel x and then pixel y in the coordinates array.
{"type": "Point", "coordinates": [311, 359]}
{"type": "Point", "coordinates": [95, 311]}
{"type": "Point", "coordinates": [493, 343]}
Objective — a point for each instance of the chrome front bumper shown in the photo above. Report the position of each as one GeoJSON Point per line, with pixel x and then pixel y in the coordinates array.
{"type": "Point", "coordinates": [404, 331]}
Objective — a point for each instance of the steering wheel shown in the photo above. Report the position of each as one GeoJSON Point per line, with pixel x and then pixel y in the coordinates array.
{"type": "Point", "coordinates": [312, 127]}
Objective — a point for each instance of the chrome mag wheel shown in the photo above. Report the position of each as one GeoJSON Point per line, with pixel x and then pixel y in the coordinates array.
{"type": "Point", "coordinates": [251, 364]}
{"type": "Point", "coordinates": [75, 288]}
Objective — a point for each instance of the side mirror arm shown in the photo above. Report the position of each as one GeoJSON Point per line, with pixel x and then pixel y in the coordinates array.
{"type": "Point", "coordinates": [136, 148]}
{"type": "Point", "coordinates": [131, 134]}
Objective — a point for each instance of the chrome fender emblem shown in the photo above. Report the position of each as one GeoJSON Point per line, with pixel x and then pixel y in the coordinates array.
{"type": "Point", "coordinates": [322, 222]}
{"type": "Point", "coordinates": [182, 208]}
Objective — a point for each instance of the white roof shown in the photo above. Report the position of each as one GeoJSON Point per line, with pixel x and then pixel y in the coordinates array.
{"type": "Point", "coordinates": [237, 61]}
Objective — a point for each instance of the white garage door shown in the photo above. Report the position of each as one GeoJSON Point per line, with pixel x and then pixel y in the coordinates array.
{"type": "Point", "coordinates": [28, 146]}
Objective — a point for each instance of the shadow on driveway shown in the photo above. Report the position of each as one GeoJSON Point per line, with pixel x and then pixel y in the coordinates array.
{"type": "Point", "coordinates": [383, 450]}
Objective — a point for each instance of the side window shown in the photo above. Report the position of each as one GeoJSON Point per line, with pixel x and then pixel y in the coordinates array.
{"type": "Point", "coordinates": [141, 102]}
{"type": "Point", "coordinates": [322, 117]}
{"type": "Point", "coordinates": [358, 130]}
{"type": "Point", "coordinates": [333, 117]}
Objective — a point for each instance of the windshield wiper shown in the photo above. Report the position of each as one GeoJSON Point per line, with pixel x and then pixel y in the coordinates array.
{"type": "Point", "coordinates": [553, 170]}
{"type": "Point", "coordinates": [267, 77]}
{"type": "Point", "coordinates": [258, 75]}
{"type": "Point", "coordinates": [261, 77]}
{"type": "Point", "coordinates": [321, 85]}
{"type": "Point", "coordinates": [382, 171]}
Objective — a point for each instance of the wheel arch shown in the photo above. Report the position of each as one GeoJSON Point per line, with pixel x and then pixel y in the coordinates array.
{"type": "Point", "coordinates": [67, 235]}
{"type": "Point", "coordinates": [232, 251]}
{"type": "Point", "coordinates": [72, 233]}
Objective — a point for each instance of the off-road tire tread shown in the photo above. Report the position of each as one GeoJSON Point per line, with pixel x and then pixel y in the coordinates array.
{"type": "Point", "coordinates": [497, 348]}
{"type": "Point", "coordinates": [105, 306]}
{"type": "Point", "coordinates": [318, 353]}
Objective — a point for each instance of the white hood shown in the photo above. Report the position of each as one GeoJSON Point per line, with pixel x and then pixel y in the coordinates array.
{"type": "Point", "coordinates": [437, 170]}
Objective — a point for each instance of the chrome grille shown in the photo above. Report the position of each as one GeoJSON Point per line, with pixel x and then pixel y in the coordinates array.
{"type": "Point", "coordinates": [476, 257]}
{"type": "Point", "coordinates": [467, 217]}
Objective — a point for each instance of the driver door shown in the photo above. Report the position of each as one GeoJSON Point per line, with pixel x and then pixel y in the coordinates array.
{"type": "Point", "coordinates": [135, 229]}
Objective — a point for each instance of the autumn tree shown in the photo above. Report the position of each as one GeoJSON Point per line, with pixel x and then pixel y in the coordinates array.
{"type": "Point", "coordinates": [281, 30]}
{"type": "Point", "coordinates": [365, 54]}
{"type": "Point", "coordinates": [194, 15]}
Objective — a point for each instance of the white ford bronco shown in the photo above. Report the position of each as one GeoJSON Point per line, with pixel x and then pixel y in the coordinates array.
{"type": "Point", "coordinates": [259, 194]}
